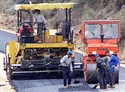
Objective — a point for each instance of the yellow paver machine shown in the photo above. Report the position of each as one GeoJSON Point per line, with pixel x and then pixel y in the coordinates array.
{"type": "Point", "coordinates": [30, 56]}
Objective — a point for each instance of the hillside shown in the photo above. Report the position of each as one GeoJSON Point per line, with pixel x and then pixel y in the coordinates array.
{"type": "Point", "coordinates": [83, 10]}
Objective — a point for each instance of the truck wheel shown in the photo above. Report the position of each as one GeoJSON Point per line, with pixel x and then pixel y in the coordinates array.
{"type": "Point", "coordinates": [117, 74]}
{"type": "Point", "coordinates": [90, 74]}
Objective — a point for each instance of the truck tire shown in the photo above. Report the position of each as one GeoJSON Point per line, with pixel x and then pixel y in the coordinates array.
{"type": "Point", "coordinates": [117, 74]}
{"type": "Point", "coordinates": [90, 74]}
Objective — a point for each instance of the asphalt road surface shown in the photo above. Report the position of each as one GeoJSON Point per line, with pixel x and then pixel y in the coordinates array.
{"type": "Point", "coordinates": [5, 37]}
{"type": "Point", "coordinates": [37, 82]}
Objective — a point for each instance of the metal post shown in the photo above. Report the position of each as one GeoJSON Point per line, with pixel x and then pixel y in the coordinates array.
{"type": "Point", "coordinates": [70, 16]}
{"type": "Point", "coordinates": [65, 35]}
{"type": "Point", "coordinates": [71, 31]}
{"type": "Point", "coordinates": [66, 15]}
{"type": "Point", "coordinates": [18, 20]}
{"type": "Point", "coordinates": [20, 17]}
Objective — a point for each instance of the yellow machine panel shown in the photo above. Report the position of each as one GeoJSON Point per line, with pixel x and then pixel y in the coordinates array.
{"type": "Point", "coordinates": [13, 49]}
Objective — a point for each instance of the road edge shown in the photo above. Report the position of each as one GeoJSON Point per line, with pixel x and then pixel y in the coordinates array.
{"type": "Point", "coordinates": [9, 31]}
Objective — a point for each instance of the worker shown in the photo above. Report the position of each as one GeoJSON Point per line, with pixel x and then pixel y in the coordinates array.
{"type": "Point", "coordinates": [66, 30]}
{"type": "Point", "coordinates": [25, 33]}
{"type": "Point", "coordinates": [67, 69]}
{"type": "Point", "coordinates": [26, 30]}
{"type": "Point", "coordinates": [40, 20]}
{"type": "Point", "coordinates": [112, 64]}
{"type": "Point", "coordinates": [102, 69]}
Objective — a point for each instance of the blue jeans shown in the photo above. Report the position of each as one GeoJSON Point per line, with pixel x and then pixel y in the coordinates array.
{"type": "Point", "coordinates": [66, 75]}
{"type": "Point", "coordinates": [103, 77]}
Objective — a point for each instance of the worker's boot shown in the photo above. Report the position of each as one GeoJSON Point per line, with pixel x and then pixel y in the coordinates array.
{"type": "Point", "coordinates": [65, 87]}
{"type": "Point", "coordinates": [69, 86]}
{"type": "Point", "coordinates": [110, 86]}
{"type": "Point", "coordinates": [113, 86]}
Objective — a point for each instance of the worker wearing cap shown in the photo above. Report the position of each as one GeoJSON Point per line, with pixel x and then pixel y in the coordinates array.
{"type": "Point", "coordinates": [67, 69]}
{"type": "Point", "coordinates": [24, 31]}
{"type": "Point", "coordinates": [40, 20]}
{"type": "Point", "coordinates": [102, 70]}
{"type": "Point", "coordinates": [112, 64]}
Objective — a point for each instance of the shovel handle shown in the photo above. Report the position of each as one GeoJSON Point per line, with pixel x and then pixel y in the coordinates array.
{"type": "Point", "coordinates": [73, 76]}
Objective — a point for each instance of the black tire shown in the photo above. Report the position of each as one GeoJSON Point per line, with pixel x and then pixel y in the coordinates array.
{"type": "Point", "coordinates": [117, 74]}
{"type": "Point", "coordinates": [91, 76]}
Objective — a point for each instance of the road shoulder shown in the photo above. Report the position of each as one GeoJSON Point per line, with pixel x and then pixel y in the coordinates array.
{"type": "Point", "coordinates": [4, 83]}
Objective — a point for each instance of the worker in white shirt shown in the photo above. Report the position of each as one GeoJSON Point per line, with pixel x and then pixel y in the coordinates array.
{"type": "Point", "coordinates": [67, 69]}
{"type": "Point", "coordinates": [40, 20]}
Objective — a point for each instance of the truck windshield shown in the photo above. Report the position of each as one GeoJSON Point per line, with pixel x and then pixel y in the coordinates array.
{"type": "Point", "coordinates": [92, 31]}
{"type": "Point", "coordinates": [110, 30]}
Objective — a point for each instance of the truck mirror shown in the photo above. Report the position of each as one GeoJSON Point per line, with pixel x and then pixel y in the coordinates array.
{"type": "Point", "coordinates": [102, 37]}
{"type": "Point", "coordinates": [76, 33]}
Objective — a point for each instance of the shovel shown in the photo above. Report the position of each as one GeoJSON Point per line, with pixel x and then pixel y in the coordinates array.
{"type": "Point", "coordinates": [75, 81]}
{"type": "Point", "coordinates": [95, 86]}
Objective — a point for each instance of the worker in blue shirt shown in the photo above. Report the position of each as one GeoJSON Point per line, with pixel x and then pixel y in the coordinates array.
{"type": "Point", "coordinates": [113, 62]}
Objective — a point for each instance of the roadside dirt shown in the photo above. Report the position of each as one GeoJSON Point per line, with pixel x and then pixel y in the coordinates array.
{"type": "Point", "coordinates": [7, 22]}
{"type": "Point", "coordinates": [5, 86]}
{"type": "Point", "coordinates": [4, 83]}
